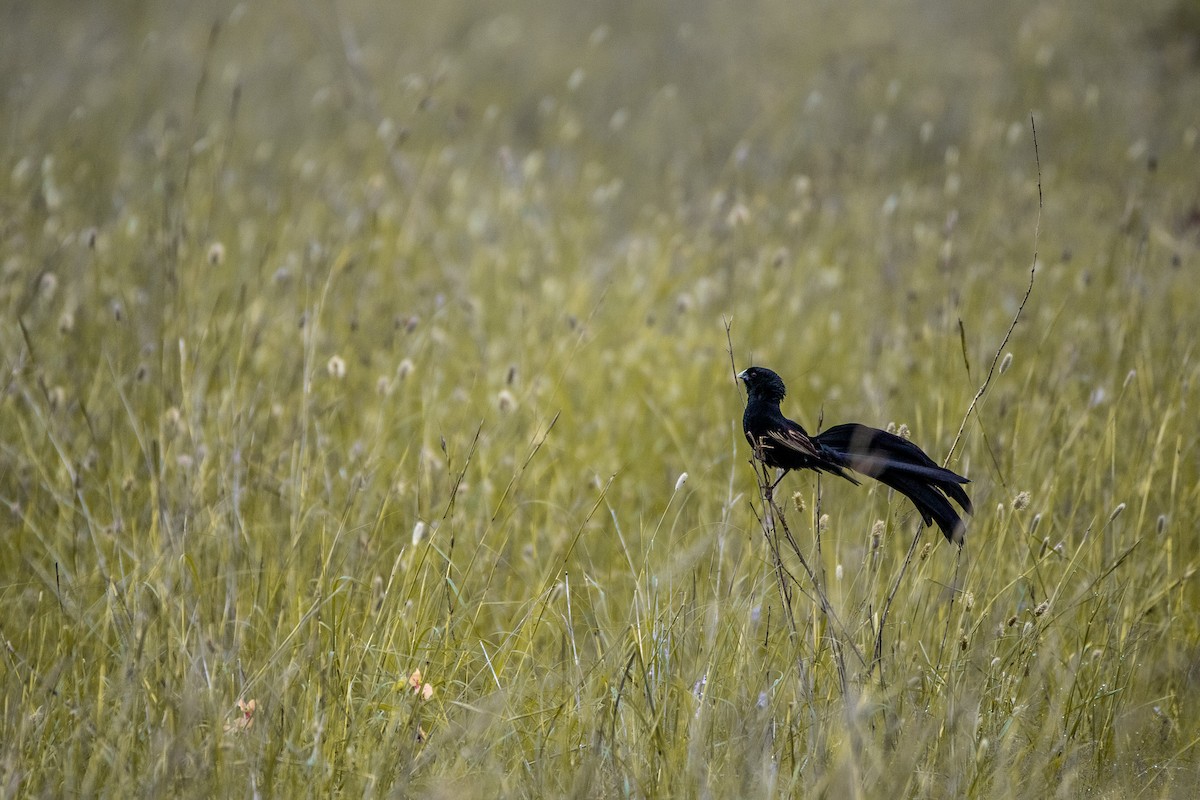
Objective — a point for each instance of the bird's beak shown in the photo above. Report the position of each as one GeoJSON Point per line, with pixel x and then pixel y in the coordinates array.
{"type": "Point", "coordinates": [742, 375]}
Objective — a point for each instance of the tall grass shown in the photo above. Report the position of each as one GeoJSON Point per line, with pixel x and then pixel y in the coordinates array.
{"type": "Point", "coordinates": [367, 425]}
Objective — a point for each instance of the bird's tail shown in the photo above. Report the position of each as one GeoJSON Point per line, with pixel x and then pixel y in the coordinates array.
{"type": "Point", "coordinates": [900, 464]}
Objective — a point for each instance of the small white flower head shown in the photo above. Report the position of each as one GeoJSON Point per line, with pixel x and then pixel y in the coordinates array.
{"type": "Point", "coordinates": [57, 398]}
{"type": "Point", "coordinates": [336, 367]}
{"type": "Point", "coordinates": [1116, 512]}
{"type": "Point", "coordinates": [405, 369]}
{"type": "Point", "coordinates": [838, 573]}
{"type": "Point", "coordinates": [172, 423]}
{"type": "Point", "coordinates": [1042, 608]}
{"type": "Point", "coordinates": [738, 215]}
{"type": "Point", "coordinates": [903, 432]}
{"type": "Point", "coordinates": [506, 402]}
{"type": "Point", "coordinates": [680, 481]}
{"type": "Point", "coordinates": [419, 532]}
{"type": "Point", "coordinates": [1021, 501]}
{"type": "Point", "coordinates": [48, 286]}
{"type": "Point", "coordinates": [216, 254]}
{"type": "Point", "coordinates": [969, 600]}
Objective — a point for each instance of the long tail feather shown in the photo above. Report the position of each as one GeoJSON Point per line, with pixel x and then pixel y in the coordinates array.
{"type": "Point", "coordinates": [903, 466]}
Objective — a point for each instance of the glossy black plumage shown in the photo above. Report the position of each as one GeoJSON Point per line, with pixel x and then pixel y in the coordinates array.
{"type": "Point", "coordinates": [887, 458]}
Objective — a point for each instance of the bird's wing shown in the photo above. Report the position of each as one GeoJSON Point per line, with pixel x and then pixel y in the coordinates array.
{"type": "Point", "coordinates": [794, 440]}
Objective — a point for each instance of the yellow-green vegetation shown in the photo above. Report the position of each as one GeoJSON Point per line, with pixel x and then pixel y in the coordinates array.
{"type": "Point", "coordinates": [369, 426]}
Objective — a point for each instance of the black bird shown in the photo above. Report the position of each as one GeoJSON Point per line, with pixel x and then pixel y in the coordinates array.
{"type": "Point", "coordinates": [889, 459]}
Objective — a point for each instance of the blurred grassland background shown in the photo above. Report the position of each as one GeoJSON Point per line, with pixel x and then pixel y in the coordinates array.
{"type": "Point", "coordinates": [346, 340]}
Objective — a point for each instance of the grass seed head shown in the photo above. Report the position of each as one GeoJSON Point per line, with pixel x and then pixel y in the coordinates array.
{"type": "Point", "coordinates": [48, 286]}
{"type": "Point", "coordinates": [878, 528]}
{"type": "Point", "coordinates": [216, 254]}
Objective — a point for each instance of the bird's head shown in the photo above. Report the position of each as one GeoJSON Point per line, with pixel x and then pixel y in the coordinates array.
{"type": "Point", "coordinates": [762, 384]}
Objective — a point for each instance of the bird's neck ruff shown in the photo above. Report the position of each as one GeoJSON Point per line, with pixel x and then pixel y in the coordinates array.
{"type": "Point", "coordinates": [770, 391]}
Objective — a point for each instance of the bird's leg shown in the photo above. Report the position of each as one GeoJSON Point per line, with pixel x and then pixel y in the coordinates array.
{"type": "Point", "coordinates": [770, 492]}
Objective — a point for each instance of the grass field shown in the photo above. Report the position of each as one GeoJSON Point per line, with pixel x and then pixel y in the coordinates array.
{"type": "Point", "coordinates": [369, 428]}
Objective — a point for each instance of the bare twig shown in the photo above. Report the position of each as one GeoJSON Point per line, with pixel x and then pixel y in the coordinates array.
{"type": "Point", "coordinates": [966, 416]}
{"type": "Point", "coordinates": [1017, 316]}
